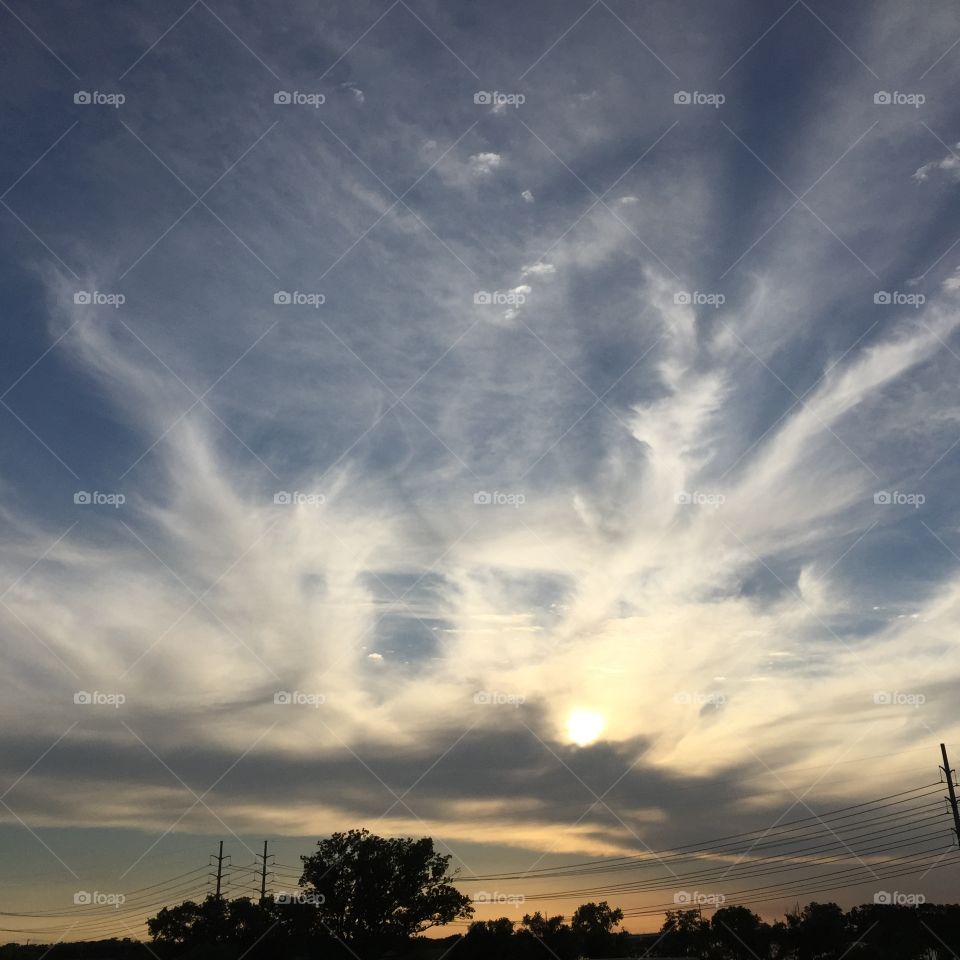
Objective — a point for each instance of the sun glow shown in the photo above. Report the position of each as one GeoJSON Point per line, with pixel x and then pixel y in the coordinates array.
{"type": "Point", "coordinates": [584, 726]}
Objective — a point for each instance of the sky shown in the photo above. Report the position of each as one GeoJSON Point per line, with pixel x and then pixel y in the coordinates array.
{"type": "Point", "coordinates": [533, 427]}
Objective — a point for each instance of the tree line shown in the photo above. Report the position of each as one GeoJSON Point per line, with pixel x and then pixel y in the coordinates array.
{"type": "Point", "coordinates": [364, 897]}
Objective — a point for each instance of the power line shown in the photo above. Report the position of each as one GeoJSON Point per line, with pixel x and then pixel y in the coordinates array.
{"type": "Point", "coordinates": [95, 924]}
{"type": "Point", "coordinates": [802, 847]}
{"type": "Point", "coordinates": [913, 864]}
{"type": "Point", "coordinates": [888, 820]}
{"type": "Point", "coordinates": [627, 862]}
{"type": "Point", "coordinates": [727, 875]}
{"type": "Point", "coordinates": [916, 862]}
{"type": "Point", "coordinates": [81, 909]}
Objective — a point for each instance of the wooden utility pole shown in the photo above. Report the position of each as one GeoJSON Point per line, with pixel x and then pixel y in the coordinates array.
{"type": "Point", "coordinates": [219, 869]}
{"type": "Point", "coordinates": [951, 790]}
{"type": "Point", "coordinates": [263, 872]}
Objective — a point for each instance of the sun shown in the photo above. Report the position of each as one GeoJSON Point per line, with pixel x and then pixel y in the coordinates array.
{"type": "Point", "coordinates": [584, 726]}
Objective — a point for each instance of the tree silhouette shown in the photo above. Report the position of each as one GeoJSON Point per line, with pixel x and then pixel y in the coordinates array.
{"type": "Point", "coordinates": [684, 933]}
{"type": "Point", "coordinates": [593, 919]}
{"type": "Point", "coordinates": [592, 926]}
{"type": "Point", "coordinates": [816, 930]}
{"type": "Point", "coordinates": [543, 927]}
{"type": "Point", "coordinates": [221, 929]}
{"type": "Point", "coordinates": [490, 938]}
{"type": "Point", "coordinates": [739, 934]}
{"type": "Point", "coordinates": [371, 890]}
{"type": "Point", "coordinates": [190, 923]}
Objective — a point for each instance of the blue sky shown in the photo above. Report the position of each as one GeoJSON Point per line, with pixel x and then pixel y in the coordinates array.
{"type": "Point", "coordinates": [618, 376]}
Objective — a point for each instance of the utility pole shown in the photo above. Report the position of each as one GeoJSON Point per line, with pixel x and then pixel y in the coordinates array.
{"type": "Point", "coordinates": [220, 858]}
{"type": "Point", "coordinates": [951, 790]}
{"type": "Point", "coordinates": [263, 872]}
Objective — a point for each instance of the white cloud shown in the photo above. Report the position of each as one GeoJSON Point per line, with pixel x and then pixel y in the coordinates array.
{"type": "Point", "coordinates": [483, 164]}
{"type": "Point", "coordinates": [583, 597]}
{"type": "Point", "coordinates": [949, 165]}
{"type": "Point", "coordinates": [358, 94]}
{"type": "Point", "coordinates": [539, 269]}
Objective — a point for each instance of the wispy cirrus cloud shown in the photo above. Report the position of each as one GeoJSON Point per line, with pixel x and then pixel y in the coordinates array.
{"type": "Point", "coordinates": [696, 475]}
